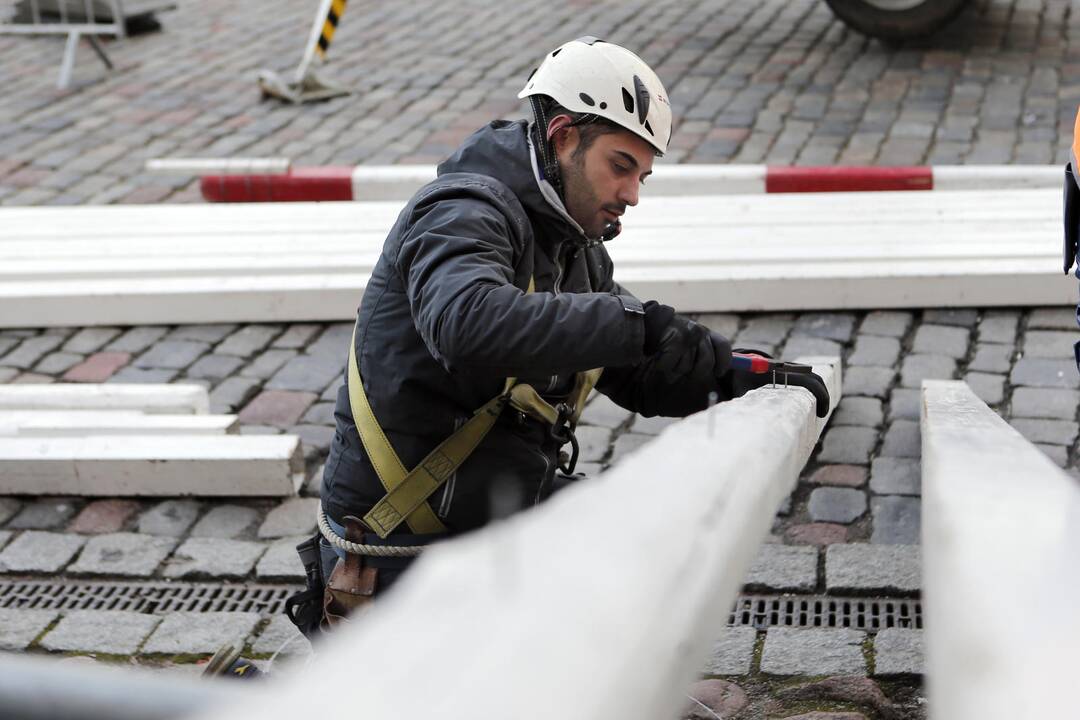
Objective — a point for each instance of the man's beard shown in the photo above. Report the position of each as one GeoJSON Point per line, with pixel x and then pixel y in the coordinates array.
{"type": "Point", "coordinates": [581, 200]}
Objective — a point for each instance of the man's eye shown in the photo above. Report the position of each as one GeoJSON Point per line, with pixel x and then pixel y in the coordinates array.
{"type": "Point", "coordinates": [620, 168]}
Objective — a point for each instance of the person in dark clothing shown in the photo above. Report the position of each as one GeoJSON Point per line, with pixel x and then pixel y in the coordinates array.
{"type": "Point", "coordinates": [497, 270]}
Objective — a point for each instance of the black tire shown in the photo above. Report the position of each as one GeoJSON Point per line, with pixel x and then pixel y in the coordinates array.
{"type": "Point", "coordinates": [895, 19]}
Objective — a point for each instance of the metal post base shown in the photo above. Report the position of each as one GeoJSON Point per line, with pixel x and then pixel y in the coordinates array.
{"type": "Point", "coordinates": [311, 89]}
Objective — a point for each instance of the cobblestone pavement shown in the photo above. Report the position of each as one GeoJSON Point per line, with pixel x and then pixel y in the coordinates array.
{"type": "Point", "coordinates": [851, 527]}
{"type": "Point", "coordinates": [780, 81]}
{"type": "Point", "coordinates": [776, 81]}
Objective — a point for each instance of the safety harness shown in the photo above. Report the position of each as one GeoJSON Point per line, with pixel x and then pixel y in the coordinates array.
{"type": "Point", "coordinates": [407, 492]}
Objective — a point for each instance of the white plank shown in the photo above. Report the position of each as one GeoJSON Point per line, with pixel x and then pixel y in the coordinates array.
{"type": "Point", "coordinates": [74, 423]}
{"type": "Point", "coordinates": [218, 166]}
{"type": "Point", "coordinates": [1000, 538]}
{"type": "Point", "coordinates": [175, 398]}
{"type": "Point", "coordinates": [151, 465]}
{"type": "Point", "coordinates": [983, 177]}
{"type": "Point", "coordinates": [611, 593]}
{"type": "Point", "coordinates": [744, 253]}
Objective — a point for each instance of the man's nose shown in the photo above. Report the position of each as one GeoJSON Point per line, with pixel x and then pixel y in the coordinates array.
{"type": "Point", "coordinates": [628, 193]}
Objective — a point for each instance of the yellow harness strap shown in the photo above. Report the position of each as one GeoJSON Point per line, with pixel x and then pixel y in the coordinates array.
{"type": "Point", "coordinates": [407, 492]}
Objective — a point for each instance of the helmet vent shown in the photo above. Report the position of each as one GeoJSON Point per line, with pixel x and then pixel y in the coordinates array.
{"type": "Point", "coordinates": [586, 99]}
{"type": "Point", "coordinates": [643, 99]}
{"type": "Point", "coordinates": [556, 52]}
{"type": "Point", "coordinates": [649, 128]}
{"type": "Point", "coordinates": [627, 100]}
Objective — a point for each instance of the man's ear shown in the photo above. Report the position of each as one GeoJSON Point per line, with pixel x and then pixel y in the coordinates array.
{"type": "Point", "coordinates": [558, 130]}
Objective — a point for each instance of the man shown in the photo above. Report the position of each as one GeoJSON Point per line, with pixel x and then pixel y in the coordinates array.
{"type": "Point", "coordinates": [490, 314]}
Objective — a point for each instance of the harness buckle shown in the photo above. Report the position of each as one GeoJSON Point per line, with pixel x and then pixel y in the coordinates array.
{"type": "Point", "coordinates": [562, 434]}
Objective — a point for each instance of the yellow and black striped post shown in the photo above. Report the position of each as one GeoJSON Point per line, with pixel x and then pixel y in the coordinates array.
{"type": "Point", "coordinates": [322, 32]}
{"type": "Point", "coordinates": [337, 8]}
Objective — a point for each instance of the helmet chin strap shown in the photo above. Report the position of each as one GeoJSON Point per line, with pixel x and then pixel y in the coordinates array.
{"type": "Point", "coordinates": [549, 161]}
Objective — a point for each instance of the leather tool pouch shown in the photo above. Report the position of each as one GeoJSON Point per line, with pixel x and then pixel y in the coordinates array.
{"type": "Point", "coordinates": [352, 584]}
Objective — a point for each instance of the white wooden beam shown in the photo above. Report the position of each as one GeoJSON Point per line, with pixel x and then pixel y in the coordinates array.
{"type": "Point", "coordinates": [77, 423]}
{"type": "Point", "coordinates": [177, 399]}
{"type": "Point", "coordinates": [133, 465]}
{"type": "Point", "coordinates": [1001, 533]}
{"type": "Point", "coordinates": [311, 261]}
{"type": "Point", "coordinates": [602, 603]}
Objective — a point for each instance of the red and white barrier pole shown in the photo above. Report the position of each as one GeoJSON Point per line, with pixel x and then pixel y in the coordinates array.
{"type": "Point", "coordinates": [399, 182]}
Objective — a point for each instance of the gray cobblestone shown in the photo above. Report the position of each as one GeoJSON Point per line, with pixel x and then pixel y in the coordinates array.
{"type": "Point", "coordinates": [626, 444]}
{"type": "Point", "coordinates": [30, 350]}
{"type": "Point", "coordinates": [57, 363]}
{"type": "Point", "coordinates": [803, 346]}
{"type": "Point", "coordinates": [1051, 432]}
{"type": "Point", "coordinates": [310, 373]}
{"type": "Point", "coordinates": [209, 334]}
{"type": "Point", "coordinates": [896, 476]}
{"type": "Point", "coordinates": [897, 520]}
{"type": "Point", "coordinates": [248, 340]}
{"type": "Point", "coordinates": [902, 439]}
{"type": "Point", "coordinates": [723, 323]}
{"type": "Point", "coordinates": [887, 323]}
{"type": "Point", "coordinates": [989, 388]}
{"type": "Point", "coordinates": [904, 404]}
{"type": "Point", "coordinates": [115, 632]}
{"type": "Point", "coordinates": [783, 568]}
{"type": "Point", "coordinates": [281, 561]}
{"type": "Point", "coordinates": [603, 412]}
{"type": "Point", "coordinates": [813, 651]}
{"type": "Point", "coordinates": [650, 425]}
{"type": "Point", "coordinates": [863, 568]}
{"type": "Point", "coordinates": [864, 411]}
{"type": "Point", "coordinates": [19, 628]}
{"type": "Point", "coordinates": [44, 514]}
{"type": "Point", "coordinates": [5, 535]}
{"type": "Point", "coordinates": [170, 518]}
{"type": "Point", "coordinates": [9, 507]}
{"type": "Point", "coordinates": [899, 651]}
{"type": "Point", "coordinates": [137, 339]}
{"type": "Point", "coordinates": [213, 558]}
{"type": "Point", "coordinates": [1052, 319]}
{"type": "Point", "coordinates": [733, 652]}
{"type": "Point", "coordinates": [320, 414]}
{"type": "Point", "coordinates": [998, 327]}
{"type": "Point", "coordinates": [875, 351]}
{"type": "Point", "coordinates": [831, 326]}
{"type": "Point", "coordinates": [233, 393]}
{"type": "Point", "coordinates": [763, 329]}
{"type": "Point", "coordinates": [992, 358]}
{"type": "Point", "coordinates": [1058, 453]}
{"type": "Point", "coordinates": [193, 632]}
{"type": "Point", "coordinates": [917, 368]}
{"type": "Point", "coordinates": [171, 355]}
{"type": "Point", "coordinates": [1045, 403]}
{"type": "Point", "coordinates": [214, 367]}
{"type": "Point", "coordinates": [956, 317]}
{"type": "Point", "coordinates": [297, 336]}
{"type": "Point", "coordinates": [124, 554]}
{"type": "Point", "coordinates": [39, 552]}
{"type": "Point", "coordinates": [941, 340]}
{"type": "Point", "coordinates": [594, 441]}
{"type": "Point", "coordinates": [872, 381]}
{"type": "Point", "coordinates": [1045, 372]}
{"type": "Point", "coordinates": [295, 516]}
{"type": "Point", "coordinates": [273, 637]}
{"type": "Point", "coordinates": [90, 339]}
{"type": "Point", "coordinates": [848, 445]}
{"type": "Point", "coordinates": [836, 504]}
{"type": "Point", "coordinates": [141, 375]}
{"type": "Point", "coordinates": [226, 521]}
{"type": "Point", "coordinates": [1042, 344]}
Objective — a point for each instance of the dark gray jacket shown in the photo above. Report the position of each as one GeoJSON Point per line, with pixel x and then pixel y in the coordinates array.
{"type": "Point", "coordinates": [445, 319]}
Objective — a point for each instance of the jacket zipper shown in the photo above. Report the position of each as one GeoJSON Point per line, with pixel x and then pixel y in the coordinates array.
{"type": "Point", "coordinates": [558, 281]}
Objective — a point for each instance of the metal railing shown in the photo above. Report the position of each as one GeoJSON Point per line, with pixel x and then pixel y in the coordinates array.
{"type": "Point", "coordinates": [74, 18]}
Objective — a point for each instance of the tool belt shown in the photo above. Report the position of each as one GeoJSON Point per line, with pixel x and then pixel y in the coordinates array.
{"type": "Point", "coordinates": [407, 492]}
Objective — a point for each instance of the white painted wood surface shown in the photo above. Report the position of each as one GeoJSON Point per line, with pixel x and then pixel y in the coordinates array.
{"type": "Point", "coordinates": [174, 399]}
{"type": "Point", "coordinates": [600, 604]}
{"type": "Point", "coordinates": [311, 261]}
{"type": "Point", "coordinates": [152, 465]}
{"type": "Point", "coordinates": [1001, 537]}
{"type": "Point", "coordinates": [58, 423]}
{"type": "Point", "coordinates": [218, 166]}
{"type": "Point", "coordinates": [399, 182]}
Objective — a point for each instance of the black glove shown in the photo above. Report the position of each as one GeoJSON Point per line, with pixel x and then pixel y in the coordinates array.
{"type": "Point", "coordinates": [657, 319]}
{"type": "Point", "coordinates": [743, 382]}
{"type": "Point", "coordinates": [721, 354]}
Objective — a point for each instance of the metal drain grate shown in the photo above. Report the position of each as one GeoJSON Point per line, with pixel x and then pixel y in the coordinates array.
{"type": "Point", "coordinates": [860, 613]}
{"type": "Point", "coordinates": [154, 598]}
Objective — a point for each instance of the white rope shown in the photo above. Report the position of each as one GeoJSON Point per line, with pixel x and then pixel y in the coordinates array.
{"type": "Point", "coordinates": [357, 549]}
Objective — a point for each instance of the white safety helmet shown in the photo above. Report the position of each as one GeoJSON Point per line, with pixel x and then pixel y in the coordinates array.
{"type": "Point", "coordinates": [592, 76]}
